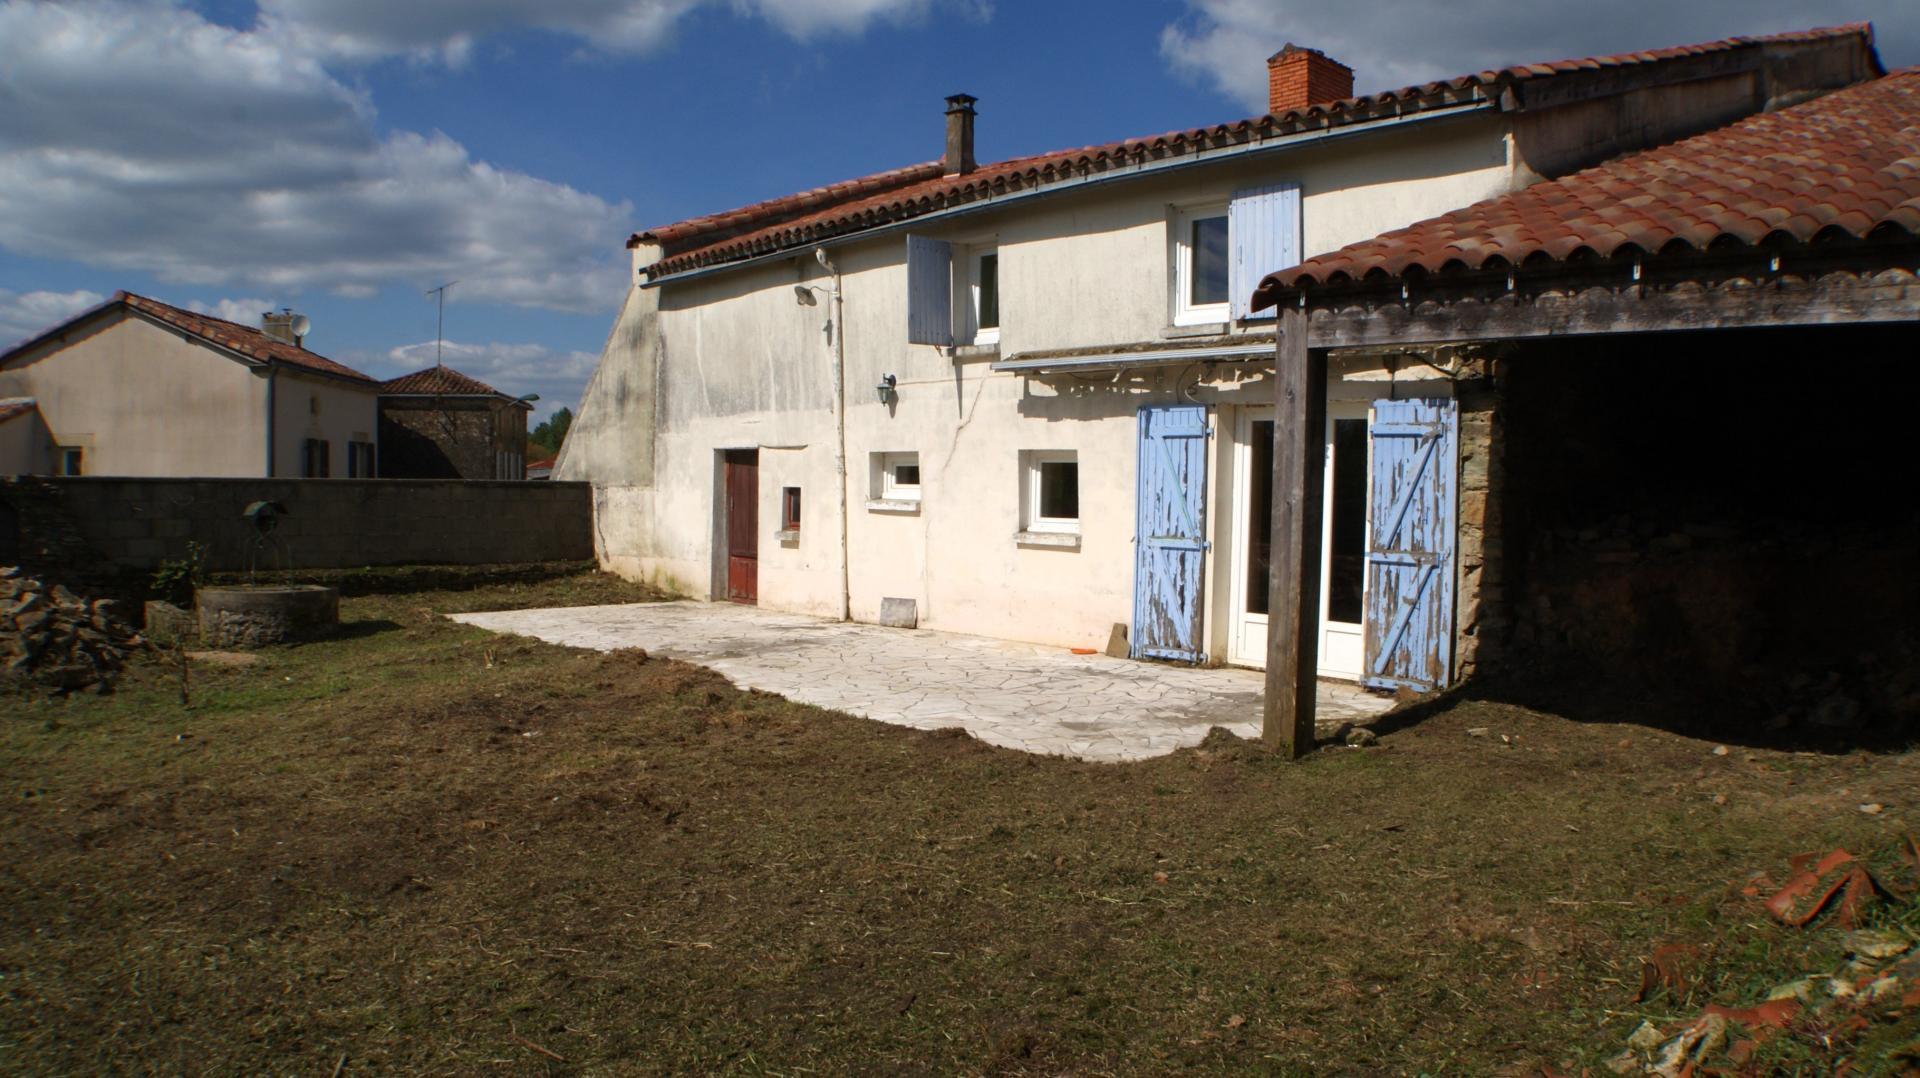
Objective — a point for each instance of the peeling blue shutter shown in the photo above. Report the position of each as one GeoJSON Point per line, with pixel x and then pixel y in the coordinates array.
{"type": "Point", "coordinates": [929, 291]}
{"type": "Point", "coordinates": [1410, 544]}
{"type": "Point", "coordinates": [1170, 546]}
{"type": "Point", "coordinates": [1263, 225]}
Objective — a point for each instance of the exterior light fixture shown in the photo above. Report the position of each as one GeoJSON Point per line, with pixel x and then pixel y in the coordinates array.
{"type": "Point", "coordinates": [885, 390]}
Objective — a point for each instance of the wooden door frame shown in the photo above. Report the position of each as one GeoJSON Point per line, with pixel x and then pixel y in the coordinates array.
{"type": "Point", "coordinates": [724, 463]}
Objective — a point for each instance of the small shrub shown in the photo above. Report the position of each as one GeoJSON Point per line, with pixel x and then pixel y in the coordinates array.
{"type": "Point", "coordinates": [174, 581]}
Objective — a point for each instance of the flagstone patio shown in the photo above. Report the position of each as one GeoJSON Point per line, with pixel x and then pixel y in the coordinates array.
{"type": "Point", "coordinates": [1019, 696]}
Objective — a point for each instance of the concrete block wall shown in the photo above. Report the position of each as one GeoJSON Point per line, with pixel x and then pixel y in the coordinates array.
{"type": "Point", "coordinates": [136, 523]}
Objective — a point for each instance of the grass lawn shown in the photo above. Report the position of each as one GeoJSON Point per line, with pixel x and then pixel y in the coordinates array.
{"type": "Point", "coordinates": [422, 847]}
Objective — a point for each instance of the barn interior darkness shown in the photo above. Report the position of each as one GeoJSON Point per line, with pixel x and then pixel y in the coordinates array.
{"type": "Point", "coordinates": [1727, 520]}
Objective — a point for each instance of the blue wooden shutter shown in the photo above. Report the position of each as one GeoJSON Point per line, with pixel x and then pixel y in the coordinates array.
{"type": "Point", "coordinates": [1170, 545]}
{"type": "Point", "coordinates": [1263, 227]}
{"type": "Point", "coordinates": [929, 291]}
{"type": "Point", "coordinates": [1410, 544]}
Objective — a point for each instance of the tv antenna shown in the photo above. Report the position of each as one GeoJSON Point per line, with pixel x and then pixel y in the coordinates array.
{"type": "Point", "coordinates": [440, 328]}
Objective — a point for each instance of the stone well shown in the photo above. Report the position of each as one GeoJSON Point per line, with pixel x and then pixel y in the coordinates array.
{"type": "Point", "coordinates": [254, 616]}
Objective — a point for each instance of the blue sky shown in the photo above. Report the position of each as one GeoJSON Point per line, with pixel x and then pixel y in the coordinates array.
{"type": "Point", "coordinates": [342, 156]}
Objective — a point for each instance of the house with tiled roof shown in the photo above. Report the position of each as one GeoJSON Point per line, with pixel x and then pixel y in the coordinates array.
{"type": "Point", "coordinates": [1032, 399]}
{"type": "Point", "coordinates": [438, 423]}
{"type": "Point", "coordinates": [137, 387]}
{"type": "Point", "coordinates": [1684, 380]}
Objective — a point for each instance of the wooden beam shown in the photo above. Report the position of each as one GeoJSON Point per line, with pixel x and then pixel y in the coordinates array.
{"type": "Point", "coordinates": [1293, 586]}
{"type": "Point", "coordinates": [1837, 299]}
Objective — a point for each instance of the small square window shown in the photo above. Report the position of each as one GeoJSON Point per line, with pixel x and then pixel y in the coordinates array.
{"type": "Point", "coordinates": [71, 460]}
{"type": "Point", "coordinates": [896, 477]}
{"type": "Point", "coordinates": [1200, 266]}
{"type": "Point", "coordinates": [790, 509]}
{"type": "Point", "coordinates": [1051, 479]}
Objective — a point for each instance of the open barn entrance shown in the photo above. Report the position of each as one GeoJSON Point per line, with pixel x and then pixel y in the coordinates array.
{"type": "Point", "coordinates": [1722, 520]}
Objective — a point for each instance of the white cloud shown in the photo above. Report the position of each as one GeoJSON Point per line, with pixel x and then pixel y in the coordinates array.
{"type": "Point", "coordinates": [1224, 44]}
{"type": "Point", "coordinates": [24, 315]}
{"type": "Point", "coordinates": [247, 312]}
{"type": "Point", "coordinates": [516, 369]}
{"type": "Point", "coordinates": [139, 136]}
{"type": "Point", "coordinates": [447, 30]}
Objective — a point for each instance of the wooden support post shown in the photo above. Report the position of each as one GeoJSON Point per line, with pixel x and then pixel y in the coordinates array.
{"type": "Point", "coordinates": [1299, 490]}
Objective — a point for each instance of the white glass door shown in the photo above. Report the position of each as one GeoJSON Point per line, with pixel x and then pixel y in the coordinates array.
{"type": "Point", "coordinates": [1343, 543]}
{"type": "Point", "coordinates": [1343, 540]}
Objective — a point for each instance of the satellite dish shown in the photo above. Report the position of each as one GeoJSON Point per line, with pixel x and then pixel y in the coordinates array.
{"type": "Point", "coordinates": [301, 325]}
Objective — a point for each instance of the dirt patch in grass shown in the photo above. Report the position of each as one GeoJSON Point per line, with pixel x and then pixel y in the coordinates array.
{"type": "Point", "coordinates": [425, 847]}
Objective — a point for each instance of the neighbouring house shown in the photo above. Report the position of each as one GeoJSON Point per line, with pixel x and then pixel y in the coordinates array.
{"type": "Point", "coordinates": [541, 468]}
{"type": "Point", "coordinates": [440, 424]}
{"type": "Point", "coordinates": [26, 446]}
{"type": "Point", "coordinates": [136, 387]}
{"type": "Point", "coordinates": [1032, 398]}
{"type": "Point", "coordinates": [1679, 388]}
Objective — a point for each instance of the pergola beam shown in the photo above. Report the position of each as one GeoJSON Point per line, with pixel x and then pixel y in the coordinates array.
{"type": "Point", "coordinates": [1299, 481]}
{"type": "Point", "coordinates": [1441, 317]}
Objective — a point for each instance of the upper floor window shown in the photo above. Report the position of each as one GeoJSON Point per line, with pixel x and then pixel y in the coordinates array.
{"type": "Point", "coordinates": [1221, 251]}
{"type": "Point", "coordinates": [1200, 266]}
{"type": "Point", "coordinates": [71, 460]}
{"type": "Point", "coordinates": [983, 294]}
{"type": "Point", "coordinates": [953, 293]}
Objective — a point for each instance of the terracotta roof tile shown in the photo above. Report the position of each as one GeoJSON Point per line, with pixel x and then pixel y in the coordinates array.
{"type": "Point", "coordinates": [1839, 166]}
{"type": "Point", "coordinates": [438, 382]}
{"type": "Point", "coordinates": [900, 194]}
{"type": "Point", "coordinates": [15, 407]}
{"type": "Point", "coordinates": [246, 340]}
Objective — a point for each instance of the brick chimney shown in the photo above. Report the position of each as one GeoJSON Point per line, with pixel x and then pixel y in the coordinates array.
{"type": "Point", "coordinates": [959, 159]}
{"type": "Point", "coordinates": [1298, 77]}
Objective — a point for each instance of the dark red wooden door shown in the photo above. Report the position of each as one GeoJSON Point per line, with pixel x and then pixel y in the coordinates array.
{"type": "Point", "coordinates": [743, 525]}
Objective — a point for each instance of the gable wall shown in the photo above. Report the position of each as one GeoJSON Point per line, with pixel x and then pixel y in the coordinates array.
{"type": "Point", "coordinates": [144, 400]}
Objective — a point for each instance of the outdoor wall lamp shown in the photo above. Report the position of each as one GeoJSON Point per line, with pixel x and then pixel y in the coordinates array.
{"type": "Point", "coordinates": [885, 390]}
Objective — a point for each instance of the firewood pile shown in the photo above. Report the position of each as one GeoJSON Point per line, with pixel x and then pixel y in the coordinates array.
{"type": "Point", "coordinates": [52, 638]}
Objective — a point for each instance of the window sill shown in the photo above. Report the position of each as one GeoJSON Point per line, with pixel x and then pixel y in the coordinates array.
{"type": "Point", "coordinates": [893, 505]}
{"type": "Point", "coordinates": [1198, 329]}
{"type": "Point", "coordinates": [787, 535]}
{"type": "Point", "coordinates": [1054, 540]}
{"type": "Point", "coordinates": [977, 351]}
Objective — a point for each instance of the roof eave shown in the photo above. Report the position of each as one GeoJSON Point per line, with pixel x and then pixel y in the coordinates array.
{"type": "Point", "coordinates": [1475, 105]}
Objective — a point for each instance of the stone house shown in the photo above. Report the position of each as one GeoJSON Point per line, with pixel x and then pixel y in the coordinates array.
{"type": "Point", "coordinates": [1683, 374]}
{"type": "Point", "coordinates": [440, 424]}
{"type": "Point", "coordinates": [137, 387]}
{"type": "Point", "coordinates": [1031, 397]}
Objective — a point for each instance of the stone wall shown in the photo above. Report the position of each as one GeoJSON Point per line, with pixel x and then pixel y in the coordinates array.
{"type": "Point", "coordinates": [90, 525]}
{"type": "Point", "coordinates": [420, 440]}
{"type": "Point", "coordinates": [1481, 620]}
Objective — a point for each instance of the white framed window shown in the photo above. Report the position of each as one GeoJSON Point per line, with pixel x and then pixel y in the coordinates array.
{"type": "Point", "coordinates": [983, 294]}
{"type": "Point", "coordinates": [360, 460]}
{"type": "Point", "coordinates": [896, 477]}
{"type": "Point", "coordinates": [1050, 491]}
{"type": "Point", "coordinates": [1201, 252]}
